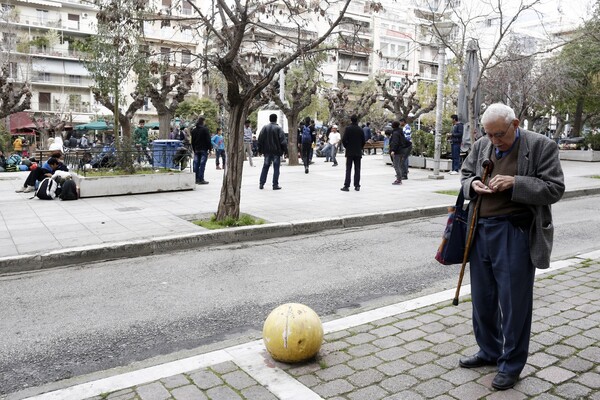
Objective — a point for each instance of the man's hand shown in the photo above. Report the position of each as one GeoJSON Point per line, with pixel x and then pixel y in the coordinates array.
{"type": "Point", "coordinates": [480, 188]}
{"type": "Point", "coordinates": [500, 183]}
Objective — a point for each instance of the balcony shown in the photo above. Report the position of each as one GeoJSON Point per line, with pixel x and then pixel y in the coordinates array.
{"type": "Point", "coordinates": [65, 80]}
{"type": "Point", "coordinates": [352, 47]}
{"type": "Point", "coordinates": [53, 52]}
{"type": "Point", "coordinates": [353, 67]}
{"type": "Point", "coordinates": [59, 107]}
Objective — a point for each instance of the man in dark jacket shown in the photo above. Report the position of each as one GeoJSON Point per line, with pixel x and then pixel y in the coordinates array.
{"type": "Point", "coordinates": [399, 150]}
{"type": "Point", "coordinates": [353, 141]}
{"type": "Point", "coordinates": [456, 139]}
{"type": "Point", "coordinates": [201, 145]}
{"type": "Point", "coordinates": [271, 143]}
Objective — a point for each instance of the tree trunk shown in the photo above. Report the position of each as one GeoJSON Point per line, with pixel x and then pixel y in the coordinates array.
{"type": "Point", "coordinates": [164, 124]}
{"type": "Point", "coordinates": [229, 202]}
{"type": "Point", "coordinates": [577, 121]}
{"type": "Point", "coordinates": [292, 139]}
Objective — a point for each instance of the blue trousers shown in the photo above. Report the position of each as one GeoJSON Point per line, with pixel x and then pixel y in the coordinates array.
{"type": "Point", "coordinates": [455, 157]}
{"type": "Point", "coordinates": [502, 278]}
{"type": "Point", "coordinates": [276, 160]}
{"type": "Point", "coordinates": [200, 164]}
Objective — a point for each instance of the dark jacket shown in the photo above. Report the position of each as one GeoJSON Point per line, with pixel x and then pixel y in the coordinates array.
{"type": "Point", "coordinates": [201, 139]}
{"type": "Point", "coordinates": [353, 141]}
{"type": "Point", "coordinates": [457, 133]}
{"type": "Point", "coordinates": [398, 141]}
{"type": "Point", "coordinates": [271, 140]}
{"type": "Point", "coordinates": [539, 182]}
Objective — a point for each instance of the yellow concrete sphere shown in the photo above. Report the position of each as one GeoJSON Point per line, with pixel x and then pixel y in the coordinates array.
{"type": "Point", "coordinates": [292, 333]}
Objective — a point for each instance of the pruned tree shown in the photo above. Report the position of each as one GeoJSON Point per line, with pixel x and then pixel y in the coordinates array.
{"type": "Point", "coordinates": [404, 101]}
{"type": "Point", "coordinates": [277, 33]}
{"type": "Point", "coordinates": [13, 97]}
{"type": "Point", "coordinates": [49, 124]}
{"type": "Point", "coordinates": [342, 107]}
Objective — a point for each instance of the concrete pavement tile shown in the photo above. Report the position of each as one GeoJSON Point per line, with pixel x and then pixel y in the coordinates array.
{"type": "Point", "coordinates": [334, 372]}
{"type": "Point", "coordinates": [577, 364]}
{"type": "Point", "coordinates": [547, 338]}
{"type": "Point", "coordinates": [392, 353]}
{"type": "Point", "coordinates": [395, 367]}
{"type": "Point", "coordinates": [572, 391]}
{"type": "Point", "coordinates": [119, 393]}
{"type": "Point", "coordinates": [449, 361]}
{"type": "Point", "coordinates": [439, 337]}
{"type": "Point", "coordinates": [573, 314]}
{"type": "Point", "coordinates": [362, 350]}
{"type": "Point", "coordinates": [189, 392]}
{"type": "Point", "coordinates": [368, 393]}
{"type": "Point", "coordinates": [35, 247]}
{"type": "Point", "coordinates": [584, 324]}
{"type": "Point", "coordinates": [362, 363]}
{"type": "Point", "coordinates": [309, 368]}
{"type": "Point", "coordinates": [453, 320]}
{"type": "Point", "coordinates": [336, 335]}
{"type": "Point", "coordinates": [541, 359]}
{"type": "Point", "coordinates": [408, 324]}
{"type": "Point", "coordinates": [238, 380]}
{"type": "Point", "coordinates": [434, 387]}
{"type": "Point", "coordinates": [427, 371]}
{"type": "Point", "coordinates": [590, 379]}
{"type": "Point", "coordinates": [579, 341]}
{"type": "Point", "coordinates": [411, 335]}
{"type": "Point", "coordinates": [459, 376]}
{"type": "Point", "coordinates": [175, 381]}
{"type": "Point", "coordinates": [385, 321]}
{"type": "Point", "coordinates": [309, 380]}
{"type": "Point", "coordinates": [444, 349]}
{"type": "Point", "coordinates": [334, 359]}
{"type": "Point", "coordinates": [224, 367]}
{"type": "Point", "coordinates": [222, 393]}
{"type": "Point", "coordinates": [398, 383]}
{"type": "Point", "coordinates": [470, 391]}
{"type": "Point", "coordinates": [153, 391]}
{"type": "Point", "coordinates": [560, 350]}
{"type": "Point", "coordinates": [506, 395]}
{"type": "Point", "coordinates": [543, 396]}
{"type": "Point", "coordinates": [387, 342]}
{"type": "Point", "coordinates": [461, 329]}
{"type": "Point", "coordinates": [366, 378]}
{"type": "Point", "coordinates": [566, 330]}
{"type": "Point", "coordinates": [593, 333]}
{"type": "Point", "coordinates": [555, 374]}
{"type": "Point", "coordinates": [8, 251]}
{"type": "Point", "coordinates": [333, 388]}
{"type": "Point", "coordinates": [387, 330]}
{"type": "Point", "coordinates": [429, 321]}
{"type": "Point", "coordinates": [406, 395]}
{"type": "Point", "coordinates": [420, 358]}
{"type": "Point", "coordinates": [258, 393]}
{"type": "Point", "coordinates": [532, 386]}
{"type": "Point", "coordinates": [205, 379]}
{"type": "Point", "coordinates": [591, 353]}
{"type": "Point", "coordinates": [417, 345]}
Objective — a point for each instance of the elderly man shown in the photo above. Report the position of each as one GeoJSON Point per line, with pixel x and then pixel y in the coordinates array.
{"type": "Point", "coordinates": [513, 236]}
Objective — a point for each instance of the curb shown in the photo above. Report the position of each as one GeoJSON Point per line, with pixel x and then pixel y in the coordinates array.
{"type": "Point", "coordinates": [162, 244]}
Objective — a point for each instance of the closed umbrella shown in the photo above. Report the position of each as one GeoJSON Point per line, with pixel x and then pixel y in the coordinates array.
{"type": "Point", "coordinates": [468, 81]}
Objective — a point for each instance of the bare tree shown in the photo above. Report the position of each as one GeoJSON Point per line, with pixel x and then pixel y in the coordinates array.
{"type": "Point", "coordinates": [403, 102]}
{"type": "Point", "coordinates": [342, 107]}
{"type": "Point", "coordinates": [233, 27]}
{"type": "Point", "coordinates": [13, 97]}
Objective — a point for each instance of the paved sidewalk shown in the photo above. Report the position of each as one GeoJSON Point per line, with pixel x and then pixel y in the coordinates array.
{"type": "Point", "coordinates": [405, 351]}
{"type": "Point", "coordinates": [37, 234]}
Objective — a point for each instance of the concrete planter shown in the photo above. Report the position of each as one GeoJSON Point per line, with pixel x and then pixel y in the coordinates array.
{"type": "Point", "coordinates": [580, 155]}
{"type": "Point", "coordinates": [416, 161]}
{"type": "Point", "coordinates": [99, 186]}
{"type": "Point", "coordinates": [445, 164]}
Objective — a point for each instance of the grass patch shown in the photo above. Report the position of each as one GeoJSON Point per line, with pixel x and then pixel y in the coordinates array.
{"type": "Point", "coordinates": [596, 176]}
{"type": "Point", "coordinates": [119, 172]}
{"type": "Point", "coordinates": [229, 222]}
{"type": "Point", "coordinates": [448, 192]}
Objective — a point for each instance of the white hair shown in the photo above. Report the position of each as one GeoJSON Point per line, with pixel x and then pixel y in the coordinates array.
{"type": "Point", "coordinates": [498, 111]}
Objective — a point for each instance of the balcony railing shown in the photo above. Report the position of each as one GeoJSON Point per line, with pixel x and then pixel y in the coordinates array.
{"type": "Point", "coordinates": [351, 67]}
{"type": "Point", "coordinates": [61, 80]}
{"type": "Point", "coordinates": [58, 107]}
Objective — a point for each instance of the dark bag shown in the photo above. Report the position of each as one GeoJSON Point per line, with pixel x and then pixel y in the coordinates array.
{"type": "Point", "coordinates": [69, 190]}
{"type": "Point", "coordinates": [306, 135]}
{"type": "Point", "coordinates": [452, 248]}
{"type": "Point", "coordinates": [47, 189]}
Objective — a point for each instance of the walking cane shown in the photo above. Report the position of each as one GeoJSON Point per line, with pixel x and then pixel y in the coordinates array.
{"type": "Point", "coordinates": [488, 166]}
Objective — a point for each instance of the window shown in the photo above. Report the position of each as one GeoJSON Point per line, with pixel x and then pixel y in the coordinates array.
{"type": "Point", "coordinates": [73, 21]}
{"type": "Point", "coordinates": [186, 7]}
{"type": "Point", "coordinates": [165, 53]}
{"type": "Point", "coordinates": [13, 70]}
{"type": "Point", "coordinates": [75, 102]}
{"type": "Point", "coordinates": [166, 4]}
{"type": "Point", "coordinates": [44, 101]}
{"type": "Point", "coordinates": [42, 16]}
{"type": "Point", "coordinates": [43, 76]}
{"type": "Point", "coordinates": [186, 56]}
{"type": "Point", "coordinates": [146, 104]}
{"type": "Point", "coordinates": [9, 41]}
{"type": "Point", "coordinates": [75, 79]}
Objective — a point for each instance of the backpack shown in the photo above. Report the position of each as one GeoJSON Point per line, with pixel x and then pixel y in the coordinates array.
{"type": "Point", "coordinates": [14, 159]}
{"type": "Point", "coordinates": [306, 135]}
{"type": "Point", "coordinates": [69, 190]}
{"type": "Point", "coordinates": [46, 190]}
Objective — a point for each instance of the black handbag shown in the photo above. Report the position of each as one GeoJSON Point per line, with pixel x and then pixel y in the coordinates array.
{"type": "Point", "coordinates": [452, 248]}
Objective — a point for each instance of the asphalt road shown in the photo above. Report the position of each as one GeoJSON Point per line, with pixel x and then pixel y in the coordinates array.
{"type": "Point", "coordinates": [67, 322]}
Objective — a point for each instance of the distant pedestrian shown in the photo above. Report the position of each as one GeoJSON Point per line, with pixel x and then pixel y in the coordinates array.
{"type": "Point", "coordinates": [399, 150]}
{"type": "Point", "coordinates": [140, 137]}
{"type": "Point", "coordinates": [455, 141]}
{"type": "Point", "coordinates": [334, 139]}
{"type": "Point", "coordinates": [307, 139]}
{"type": "Point", "coordinates": [368, 134]}
{"type": "Point", "coordinates": [248, 141]}
{"type": "Point", "coordinates": [18, 146]}
{"type": "Point", "coordinates": [271, 143]}
{"type": "Point", "coordinates": [353, 141]}
{"type": "Point", "coordinates": [407, 134]}
{"type": "Point", "coordinates": [218, 142]}
{"type": "Point", "coordinates": [201, 145]}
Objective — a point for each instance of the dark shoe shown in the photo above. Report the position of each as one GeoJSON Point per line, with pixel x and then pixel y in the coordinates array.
{"type": "Point", "coordinates": [276, 187]}
{"type": "Point", "coordinates": [474, 362]}
{"type": "Point", "coordinates": [504, 381]}
{"type": "Point", "coordinates": [334, 165]}
{"type": "Point", "coordinates": [202, 183]}
{"type": "Point", "coordinates": [261, 186]}
{"type": "Point", "coordinates": [397, 182]}
{"type": "Point", "coordinates": [311, 162]}
{"type": "Point", "coordinates": [306, 170]}
{"type": "Point", "coordinates": [345, 189]}
{"type": "Point", "coordinates": [404, 177]}
{"type": "Point", "coordinates": [357, 188]}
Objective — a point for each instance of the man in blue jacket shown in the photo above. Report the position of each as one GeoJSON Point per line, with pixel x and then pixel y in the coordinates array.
{"type": "Point", "coordinates": [455, 141]}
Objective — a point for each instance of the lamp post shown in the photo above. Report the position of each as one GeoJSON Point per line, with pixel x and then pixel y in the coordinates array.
{"type": "Point", "coordinates": [443, 29]}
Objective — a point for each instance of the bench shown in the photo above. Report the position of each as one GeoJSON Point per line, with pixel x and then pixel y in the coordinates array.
{"type": "Point", "coordinates": [375, 145]}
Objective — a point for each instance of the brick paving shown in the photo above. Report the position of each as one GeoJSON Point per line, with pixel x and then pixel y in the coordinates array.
{"type": "Point", "coordinates": [414, 355]}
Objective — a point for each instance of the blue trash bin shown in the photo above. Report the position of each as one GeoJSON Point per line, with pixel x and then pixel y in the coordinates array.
{"type": "Point", "coordinates": [163, 153]}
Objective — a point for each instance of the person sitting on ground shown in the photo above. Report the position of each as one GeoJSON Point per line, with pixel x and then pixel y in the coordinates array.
{"type": "Point", "coordinates": [2, 162]}
{"type": "Point", "coordinates": [38, 174]}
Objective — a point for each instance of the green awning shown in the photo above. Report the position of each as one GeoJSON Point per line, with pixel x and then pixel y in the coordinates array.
{"type": "Point", "coordinates": [94, 126]}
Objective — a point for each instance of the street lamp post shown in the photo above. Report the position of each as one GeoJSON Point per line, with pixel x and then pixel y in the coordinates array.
{"type": "Point", "coordinates": [443, 28]}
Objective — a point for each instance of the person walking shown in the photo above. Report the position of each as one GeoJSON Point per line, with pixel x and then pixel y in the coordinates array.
{"type": "Point", "coordinates": [307, 138]}
{"type": "Point", "coordinates": [353, 141]}
{"type": "Point", "coordinates": [399, 150]}
{"type": "Point", "coordinates": [201, 145]}
{"type": "Point", "coordinates": [368, 134]}
{"type": "Point", "coordinates": [455, 141]}
{"type": "Point", "coordinates": [513, 237]}
{"type": "Point", "coordinates": [407, 134]}
{"type": "Point", "coordinates": [218, 142]}
{"type": "Point", "coordinates": [140, 137]}
{"type": "Point", "coordinates": [334, 139]}
{"type": "Point", "coordinates": [248, 141]}
{"type": "Point", "coordinates": [272, 144]}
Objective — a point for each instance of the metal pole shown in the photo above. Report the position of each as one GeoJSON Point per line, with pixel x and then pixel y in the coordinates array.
{"type": "Point", "coordinates": [438, 113]}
